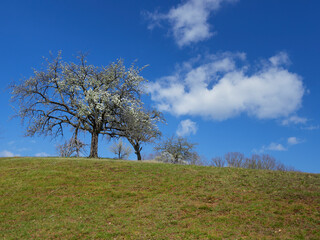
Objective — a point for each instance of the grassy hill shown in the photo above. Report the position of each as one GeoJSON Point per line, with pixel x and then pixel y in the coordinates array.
{"type": "Point", "coordinates": [54, 198]}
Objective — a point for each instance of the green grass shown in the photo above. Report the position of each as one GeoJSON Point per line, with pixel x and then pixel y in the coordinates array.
{"type": "Point", "coordinates": [56, 198]}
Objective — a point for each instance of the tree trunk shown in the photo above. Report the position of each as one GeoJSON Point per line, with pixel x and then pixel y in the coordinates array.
{"type": "Point", "coordinates": [76, 142]}
{"type": "Point", "coordinates": [94, 145]}
{"type": "Point", "coordinates": [137, 149]}
{"type": "Point", "coordinates": [138, 156]}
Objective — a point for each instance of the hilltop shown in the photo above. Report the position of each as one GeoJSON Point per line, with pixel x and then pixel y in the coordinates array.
{"type": "Point", "coordinates": [59, 198]}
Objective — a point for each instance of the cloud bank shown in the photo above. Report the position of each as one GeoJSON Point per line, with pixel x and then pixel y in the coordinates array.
{"type": "Point", "coordinates": [220, 88]}
{"type": "Point", "coordinates": [189, 20]}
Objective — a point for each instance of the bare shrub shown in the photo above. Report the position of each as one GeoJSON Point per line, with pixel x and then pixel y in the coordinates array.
{"type": "Point", "coordinates": [264, 161]}
{"type": "Point", "coordinates": [73, 147]}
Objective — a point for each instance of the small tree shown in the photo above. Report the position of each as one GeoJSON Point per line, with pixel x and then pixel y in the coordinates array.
{"type": "Point", "coordinates": [140, 128]}
{"type": "Point", "coordinates": [120, 149]}
{"type": "Point", "coordinates": [177, 150]}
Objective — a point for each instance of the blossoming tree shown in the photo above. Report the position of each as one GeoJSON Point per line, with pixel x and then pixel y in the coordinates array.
{"type": "Point", "coordinates": [84, 97]}
{"type": "Point", "coordinates": [140, 128]}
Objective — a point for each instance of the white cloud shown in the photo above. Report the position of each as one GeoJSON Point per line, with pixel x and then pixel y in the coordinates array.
{"type": "Point", "coordinates": [278, 146]}
{"type": "Point", "coordinates": [6, 153]}
{"type": "Point", "coordinates": [294, 120]}
{"type": "Point", "coordinates": [275, 147]}
{"type": "Point", "coordinates": [271, 147]}
{"type": "Point", "coordinates": [187, 127]}
{"type": "Point", "coordinates": [312, 127]}
{"type": "Point", "coordinates": [294, 140]}
{"type": "Point", "coordinates": [189, 20]}
{"type": "Point", "coordinates": [219, 89]}
{"type": "Point", "coordinates": [280, 59]}
{"type": "Point", "coordinates": [42, 154]}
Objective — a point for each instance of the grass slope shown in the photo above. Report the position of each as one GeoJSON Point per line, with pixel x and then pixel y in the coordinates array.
{"type": "Point", "coordinates": [54, 198]}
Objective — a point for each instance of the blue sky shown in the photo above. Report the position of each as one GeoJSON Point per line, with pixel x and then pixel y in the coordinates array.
{"type": "Point", "coordinates": [231, 75]}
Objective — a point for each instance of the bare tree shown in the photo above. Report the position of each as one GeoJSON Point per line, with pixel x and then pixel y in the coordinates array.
{"type": "Point", "coordinates": [79, 95]}
{"type": "Point", "coordinates": [256, 162]}
{"type": "Point", "coordinates": [177, 150]}
{"type": "Point", "coordinates": [234, 159]}
{"type": "Point", "coordinates": [250, 164]}
{"type": "Point", "coordinates": [120, 149]}
{"type": "Point", "coordinates": [197, 160]}
{"type": "Point", "coordinates": [268, 162]}
{"type": "Point", "coordinates": [217, 162]}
